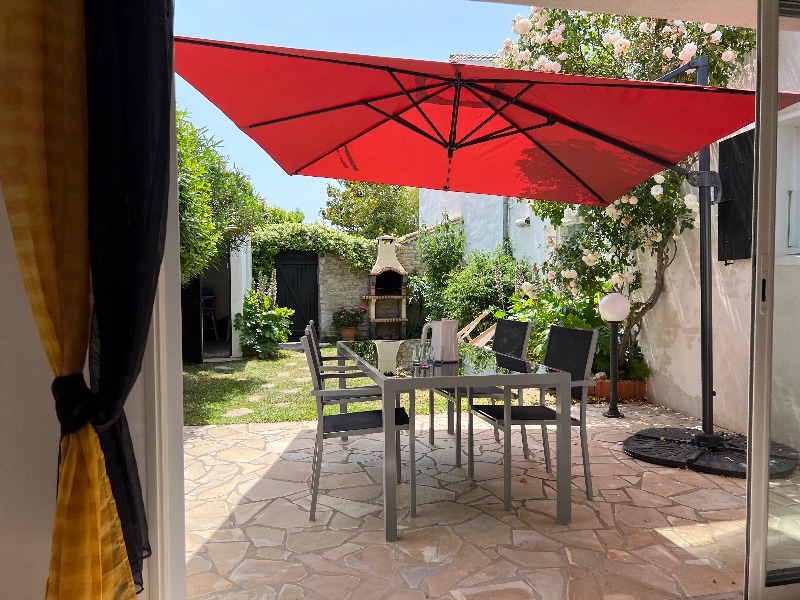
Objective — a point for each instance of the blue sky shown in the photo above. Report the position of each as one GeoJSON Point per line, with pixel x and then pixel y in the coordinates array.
{"type": "Point", "coordinates": [424, 29]}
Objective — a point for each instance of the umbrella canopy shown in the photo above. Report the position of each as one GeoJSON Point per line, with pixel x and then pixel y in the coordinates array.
{"type": "Point", "coordinates": [458, 127]}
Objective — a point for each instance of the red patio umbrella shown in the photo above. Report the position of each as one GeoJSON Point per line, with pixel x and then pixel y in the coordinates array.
{"type": "Point", "coordinates": [467, 128]}
{"type": "Point", "coordinates": [458, 127]}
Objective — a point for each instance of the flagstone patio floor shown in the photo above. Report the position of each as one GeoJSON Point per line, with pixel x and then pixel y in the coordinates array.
{"type": "Point", "coordinates": [650, 532]}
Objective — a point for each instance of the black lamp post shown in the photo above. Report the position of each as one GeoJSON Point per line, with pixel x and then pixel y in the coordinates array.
{"type": "Point", "coordinates": [614, 308]}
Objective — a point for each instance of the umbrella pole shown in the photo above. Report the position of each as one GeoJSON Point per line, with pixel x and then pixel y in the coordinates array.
{"type": "Point", "coordinates": [708, 438]}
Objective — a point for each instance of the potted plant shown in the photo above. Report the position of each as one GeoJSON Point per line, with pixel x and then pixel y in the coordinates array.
{"type": "Point", "coordinates": [347, 318]}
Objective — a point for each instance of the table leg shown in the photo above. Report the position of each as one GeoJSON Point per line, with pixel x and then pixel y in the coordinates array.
{"type": "Point", "coordinates": [507, 448]}
{"type": "Point", "coordinates": [389, 467]}
{"type": "Point", "coordinates": [470, 437]}
{"type": "Point", "coordinates": [563, 452]}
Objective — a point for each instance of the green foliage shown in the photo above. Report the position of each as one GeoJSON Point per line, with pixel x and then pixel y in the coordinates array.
{"type": "Point", "coordinates": [275, 214]}
{"type": "Point", "coordinates": [348, 316]}
{"type": "Point", "coordinates": [485, 282]}
{"type": "Point", "coordinates": [356, 251]}
{"type": "Point", "coordinates": [440, 249]}
{"type": "Point", "coordinates": [594, 250]}
{"type": "Point", "coordinates": [218, 208]}
{"type": "Point", "coordinates": [262, 325]}
{"type": "Point", "coordinates": [371, 209]}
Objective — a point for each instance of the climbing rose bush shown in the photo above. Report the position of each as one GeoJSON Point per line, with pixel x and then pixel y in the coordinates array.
{"type": "Point", "coordinates": [595, 250]}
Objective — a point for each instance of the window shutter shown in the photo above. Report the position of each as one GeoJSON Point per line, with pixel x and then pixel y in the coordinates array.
{"type": "Point", "coordinates": [736, 164]}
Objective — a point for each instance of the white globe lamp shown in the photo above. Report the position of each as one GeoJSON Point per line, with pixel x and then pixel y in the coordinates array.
{"type": "Point", "coordinates": [614, 308]}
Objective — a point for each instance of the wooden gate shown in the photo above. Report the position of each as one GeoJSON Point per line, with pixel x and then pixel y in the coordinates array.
{"type": "Point", "coordinates": [298, 288]}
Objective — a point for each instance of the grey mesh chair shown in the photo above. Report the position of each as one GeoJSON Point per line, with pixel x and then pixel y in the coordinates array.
{"type": "Point", "coordinates": [511, 338]}
{"type": "Point", "coordinates": [568, 350]}
{"type": "Point", "coordinates": [352, 423]}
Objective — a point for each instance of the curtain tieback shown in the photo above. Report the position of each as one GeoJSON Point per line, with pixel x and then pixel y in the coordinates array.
{"type": "Point", "coordinates": [76, 404]}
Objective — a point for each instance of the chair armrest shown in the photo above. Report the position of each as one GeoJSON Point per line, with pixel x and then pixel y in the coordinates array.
{"type": "Point", "coordinates": [324, 358]}
{"type": "Point", "coordinates": [348, 392]}
{"type": "Point", "coordinates": [342, 368]}
{"type": "Point", "coordinates": [341, 375]}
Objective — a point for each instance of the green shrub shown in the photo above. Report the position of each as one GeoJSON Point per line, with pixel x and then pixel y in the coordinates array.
{"type": "Point", "coordinates": [262, 325]}
{"type": "Point", "coordinates": [485, 282]}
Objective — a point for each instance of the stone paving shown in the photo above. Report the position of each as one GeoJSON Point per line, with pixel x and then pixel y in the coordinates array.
{"type": "Point", "coordinates": [650, 532]}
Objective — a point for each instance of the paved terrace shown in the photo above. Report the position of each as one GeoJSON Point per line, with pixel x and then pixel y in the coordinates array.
{"type": "Point", "coordinates": [650, 533]}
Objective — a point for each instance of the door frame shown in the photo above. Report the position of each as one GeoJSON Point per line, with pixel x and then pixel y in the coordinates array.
{"type": "Point", "coordinates": [763, 262]}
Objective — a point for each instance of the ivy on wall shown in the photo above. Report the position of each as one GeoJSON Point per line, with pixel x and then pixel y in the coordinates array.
{"type": "Point", "coordinates": [357, 252]}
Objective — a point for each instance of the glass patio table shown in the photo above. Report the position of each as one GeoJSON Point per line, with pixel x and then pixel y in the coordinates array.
{"type": "Point", "coordinates": [391, 366]}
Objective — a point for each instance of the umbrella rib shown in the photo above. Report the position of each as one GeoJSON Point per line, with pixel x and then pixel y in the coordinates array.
{"type": "Point", "coordinates": [332, 150]}
{"type": "Point", "coordinates": [554, 158]}
{"type": "Point", "coordinates": [505, 132]}
{"type": "Point", "coordinates": [417, 105]}
{"type": "Point", "coordinates": [495, 112]}
{"type": "Point", "coordinates": [347, 105]}
{"type": "Point", "coordinates": [593, 133]}
{"type": "Point", "coordinates": [402, 122]}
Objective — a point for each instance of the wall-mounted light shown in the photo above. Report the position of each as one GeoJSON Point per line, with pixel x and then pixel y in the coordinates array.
{"type": "Point", "coordinates": [526, 222]}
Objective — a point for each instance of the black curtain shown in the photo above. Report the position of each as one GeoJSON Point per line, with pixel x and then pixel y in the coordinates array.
{"type": "Point", "coordinates": [129, 64]}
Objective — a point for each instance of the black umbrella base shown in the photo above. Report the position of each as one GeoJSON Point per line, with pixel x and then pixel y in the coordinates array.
{"type": "Point", "coordinates": [676, 447]}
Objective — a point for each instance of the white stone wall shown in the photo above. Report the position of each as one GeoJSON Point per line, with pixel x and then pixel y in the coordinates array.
{"type": "Point", "coordinates": [339, 286]}
{"type": "Point", "coordinates": [483, 221]}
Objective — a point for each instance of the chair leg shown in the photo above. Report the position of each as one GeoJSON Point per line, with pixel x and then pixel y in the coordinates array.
{"type": "Point", "coordinates": [412, 435]}
{"type": "Point", "coordinates": [546, 443]}
{"type": "Point", "coordinates": [457, 431]}
{"type": "Point", "coordinates": [470, 437]}
{"type": "Point", "coordinates": [586, 470]}
{"type": "Point", "coordinates": [315, 470]}
{"type": "Point", "coordinates": [496, 429]}
{"type": "Point", "coordinates": [507, 450]}
{"type": "Point", "coordinates": [397, 452]}
{"type": "Point", "coordinates": [430, 417]}
{"type": "Point", "coordinates": [450, 410]}
{"type": "Point", "coordinates": [525, 450]}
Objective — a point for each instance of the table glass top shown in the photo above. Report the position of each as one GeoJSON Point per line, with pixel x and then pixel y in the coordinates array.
{"type": "Point", "coordinates": [400, 359]}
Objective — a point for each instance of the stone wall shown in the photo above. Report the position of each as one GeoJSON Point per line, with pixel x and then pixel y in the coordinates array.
{"type": "Point", "coordinates": [339, 286]}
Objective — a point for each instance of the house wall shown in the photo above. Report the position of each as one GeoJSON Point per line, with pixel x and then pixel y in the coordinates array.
{"type": "Point", "coordinates": [339, 286]}
{"type": "Point", "coordinates": [483, 221]}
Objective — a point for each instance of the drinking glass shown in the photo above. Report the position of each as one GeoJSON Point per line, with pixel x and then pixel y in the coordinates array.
{"type": "Point", "coordinates": [423, 355]}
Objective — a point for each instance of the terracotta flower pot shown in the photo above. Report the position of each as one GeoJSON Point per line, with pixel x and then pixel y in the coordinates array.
{"type": "Point", "coordinates": [627, 389]}
{"type": "Point", "coordinates": [348, 333]}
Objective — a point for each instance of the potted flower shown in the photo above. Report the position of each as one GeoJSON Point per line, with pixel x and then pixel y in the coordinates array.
{"type": "Point", "coordinates": [347, 318]}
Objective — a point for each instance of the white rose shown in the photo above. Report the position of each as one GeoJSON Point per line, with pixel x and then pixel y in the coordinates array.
{"type": "Point", "coordinates": [555, 37]}
{"type": "Point", "coordinates": [633, 200]}
{"type": "Point", "coordinates": [556, 67]}
{"type": "Point", "coordinates": [525, 55]}
{"type": "Point", "coordinates": [625, 221]}
{"type": "Point", "coordinates": [550, 276]}
{"type": "Point", "coordinates": [563, 56]}
{"type": "Point", "coordinates": [624, 199]}
{"type": "Point", "coordinates": [688, 52]}
{"type": "Point", "coordinates": [716, 37]}
{"type": "Point", "coordinates": [607, 38]}
{"type": "Point", "coordinates": [524, 26]}
{"type": "Point", "coordinates": [617, 279]}
{"type": "Point", "coordinates": [615, 37]}
{"type": "Point", "coordinates": [656, 191]}
{"type": "Point", "coordinates": [659, 178]}
{"type": "Point", "coordinates": [728, 55]}
{"type": "Point", "coordinates": [690, 201]}
{"type": "Point", "coordinates": [709, 27]}
{"type": "Point", "coordinates": [643, 27]}
{"type": "Point", "coordinates": [666, 30]}
{"type": "Point", "coordinates": [667, 52]}
{"type": "Point", "coordinates": [508, 43]}
{"type": "Point", "coordinates": [621, 46]}
{"type": "Point", "coordinates": [656, 237]}
{"type": "Point", "coordinates": [541, 23]}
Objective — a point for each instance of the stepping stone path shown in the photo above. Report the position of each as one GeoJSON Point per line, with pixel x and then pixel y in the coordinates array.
{"type": "Point", "coordinates": [290, 391]}
{"type": "Point", "coordinates": [238, 412]}
{"type": "Point", "coordinates": [254, 398]}
{"type": "Point", "coordinates": [651, 533]}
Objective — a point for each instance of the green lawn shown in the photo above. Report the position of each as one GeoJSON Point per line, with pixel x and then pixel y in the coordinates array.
{"type": "Point", "coordinates": [274, 390]}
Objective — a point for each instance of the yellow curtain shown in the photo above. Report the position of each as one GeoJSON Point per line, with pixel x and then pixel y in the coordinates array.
{"type": "Point", "coordinates": [43, 173]}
